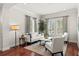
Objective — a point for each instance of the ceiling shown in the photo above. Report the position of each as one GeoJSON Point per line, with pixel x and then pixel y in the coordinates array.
{"type": "Point", "coordinates": [46, 8]}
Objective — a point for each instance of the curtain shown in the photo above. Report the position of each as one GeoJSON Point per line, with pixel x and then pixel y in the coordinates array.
{"type": "Point", "coordinates": [65, 24]}
{"type": "Point", "coordinates": [35, 24]}
{"type": "Point", "coordinates": [57, 26]}
{"type": "Point", "coordinates": [27, 24]}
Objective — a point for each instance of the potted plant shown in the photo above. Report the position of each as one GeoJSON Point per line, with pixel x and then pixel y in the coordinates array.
{"type": "Point", "coordinates": [45, 31]}
{"type": "Point", "coordinates": [41, 26]}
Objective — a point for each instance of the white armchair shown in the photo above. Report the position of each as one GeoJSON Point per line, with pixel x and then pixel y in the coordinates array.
{"type": "Point", "coordinates": [55, 46]}
{"type": "Point", "coordinates": [66, 36]}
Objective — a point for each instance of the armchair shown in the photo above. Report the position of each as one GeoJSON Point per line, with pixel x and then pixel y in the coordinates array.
{"type": "Point", "coordinates": [66, 37]}
{"type": "Point", "coordinates": [55, 46]}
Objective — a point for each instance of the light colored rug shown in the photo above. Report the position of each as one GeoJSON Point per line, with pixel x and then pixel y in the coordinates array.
{"type": "Point", "coordinates": [41, 49]}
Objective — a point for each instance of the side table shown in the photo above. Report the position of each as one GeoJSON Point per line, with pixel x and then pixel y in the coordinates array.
{"type": "Point", "coordinates": [23, 39]}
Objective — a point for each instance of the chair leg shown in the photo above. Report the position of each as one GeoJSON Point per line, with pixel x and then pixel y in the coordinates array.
{"type": "Point", "coordinates": [52, 54]}
{"type": "Point", "coordinates": [62, 53]}
{"type": "Point", "coordinates": [45, 48]}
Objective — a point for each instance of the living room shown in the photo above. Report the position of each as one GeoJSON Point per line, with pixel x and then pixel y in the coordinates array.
{"type": "Point", "coordinates": [17, 14]}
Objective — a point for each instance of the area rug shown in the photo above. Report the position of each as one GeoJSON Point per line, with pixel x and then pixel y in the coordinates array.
{"type": "Point", "coordinates": [37, 48]}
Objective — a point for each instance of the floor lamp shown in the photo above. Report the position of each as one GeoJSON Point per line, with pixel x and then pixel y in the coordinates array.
{"type": "Point", "coordinates": [15, 28]}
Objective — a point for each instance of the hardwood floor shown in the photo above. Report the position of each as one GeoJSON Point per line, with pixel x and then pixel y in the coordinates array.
{"type": "Point", "coordinates": [72, 50]}
{"type": "Point", "coordinates": [18, 51]}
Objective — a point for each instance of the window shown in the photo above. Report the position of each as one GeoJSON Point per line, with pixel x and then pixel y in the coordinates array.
{"type": "Point", "coordinates": [55, 26]}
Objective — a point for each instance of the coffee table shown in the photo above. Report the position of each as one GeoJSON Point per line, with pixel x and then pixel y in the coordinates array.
{"type": "Point", "coordinates": [45, 40]}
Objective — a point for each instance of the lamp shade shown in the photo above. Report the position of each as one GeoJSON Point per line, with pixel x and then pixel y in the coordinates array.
{"type": "Point", "coordinates": [14, 27]}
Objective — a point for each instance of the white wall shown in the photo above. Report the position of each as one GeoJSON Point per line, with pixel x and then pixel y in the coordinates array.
{"type": "Point", "coordinates": [72, 22]}
{"type": "Point", "coordinates": [78, 26]}
{"type": "Point", "coordinates": [13, 15]}
{"type": "Point", "coordinates": [0, 27]}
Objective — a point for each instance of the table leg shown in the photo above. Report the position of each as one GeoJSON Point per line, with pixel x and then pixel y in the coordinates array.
{"type": "Point", "coordinates": [19, 41]}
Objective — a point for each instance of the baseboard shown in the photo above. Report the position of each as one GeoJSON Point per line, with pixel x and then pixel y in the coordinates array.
{"type": "Point", "coordinates": [14, 46]}
{"type": "Point", "coordinates": [6, 48]}
{"type": "Point", "coordinates": [0, 49]}
{"type": "Point", "coordinates": [73, 43]}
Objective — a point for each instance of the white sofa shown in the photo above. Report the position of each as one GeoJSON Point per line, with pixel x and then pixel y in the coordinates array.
{"type": "Point", "coordinates": [33, 37]}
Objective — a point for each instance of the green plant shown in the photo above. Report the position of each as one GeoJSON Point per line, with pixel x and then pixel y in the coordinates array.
{"type": "Point", "coordinates": [41, 26]}
{"type": "Point", "coordinates": [45, 31]}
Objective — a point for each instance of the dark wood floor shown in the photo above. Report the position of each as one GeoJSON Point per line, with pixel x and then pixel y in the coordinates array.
{"type": "Point", "coordinates": [18, 51]}
{"type": "Point", "coordinates": [72, 50]}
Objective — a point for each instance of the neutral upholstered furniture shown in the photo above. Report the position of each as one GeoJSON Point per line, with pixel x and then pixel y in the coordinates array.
{"type": "Point", "coordinates": [66, 36]}
{"type": "Point", "coordinates": [45, 40]}
{"type": "Point", "coordinates": [56, 45]}
{"type": "Point", "coordinates": [33, 37]}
